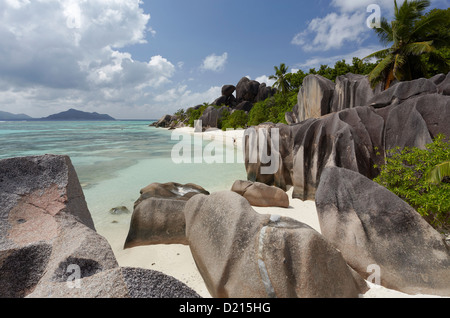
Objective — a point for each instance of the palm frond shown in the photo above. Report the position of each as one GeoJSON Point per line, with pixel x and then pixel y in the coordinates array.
{"type": "Point", "coordinates": [379, 54]}
{"type": "Point", "coordinates": [429, 23]}
{"type": "Point", "coordinates": [384, 32]}
{"type": "Point", "coordinates": [438, 173]}
{"type": "Point", "coordinates": [379, 72]}
{"type": "Point", "coordinates": [398, 67]}
{"type": "Point", "coordinates": [418, 48]}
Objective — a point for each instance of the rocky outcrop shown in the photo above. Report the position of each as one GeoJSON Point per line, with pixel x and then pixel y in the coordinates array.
{"type": "Point", "coordinates": [351, 90]}
{"type": "Point", "coordinates": [355, 138]}
{"type": "Point", "coordinates": [243, 254]}
{"type": "Point", "coordinates": [260, 194]}
{"type": "Point", "coordinates": [247, 90]}
{"type": "Point", "coordinates": [314, 98]}
{"type": "Point", "coordinates": [402, 91]}
{"type": "Point", "coordinates": [48, 243]}
{"type": "Point", "coordinates": [372, 226]}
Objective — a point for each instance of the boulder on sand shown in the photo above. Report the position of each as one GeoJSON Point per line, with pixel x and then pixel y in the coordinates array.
{"type": "Point", "coordinates": [260, 194]}
{"type": "Point", "coordinates": [372, 226]}
{"type": "Point", "coordinates": [158, 214]}
{"type": "Point", "coordinates": [243, 254]}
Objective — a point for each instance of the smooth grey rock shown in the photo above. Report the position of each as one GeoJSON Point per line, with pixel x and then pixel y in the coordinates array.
{"type": "Point", "coordinates": [243, 254]}
{"type": "Point", "coordinates": [372, 226]}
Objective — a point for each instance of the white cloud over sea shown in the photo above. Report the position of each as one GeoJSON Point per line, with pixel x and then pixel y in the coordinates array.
{"type": "Point", "coordinates": [74, 53]}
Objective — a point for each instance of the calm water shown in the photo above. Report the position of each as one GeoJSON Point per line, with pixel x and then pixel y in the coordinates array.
{"type": "Point", "coordinates": [113, 160]}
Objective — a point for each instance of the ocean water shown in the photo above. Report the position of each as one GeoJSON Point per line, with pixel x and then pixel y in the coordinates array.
{"type": "Point", "coordinates": [114, 160]}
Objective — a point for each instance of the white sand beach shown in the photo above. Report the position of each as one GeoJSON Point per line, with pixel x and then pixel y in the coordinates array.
{"type": "Point", "coordinates": [177, 261]}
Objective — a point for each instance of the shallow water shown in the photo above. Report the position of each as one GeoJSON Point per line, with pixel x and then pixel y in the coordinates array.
{"type": "Point", "coordinates": [114, 160]}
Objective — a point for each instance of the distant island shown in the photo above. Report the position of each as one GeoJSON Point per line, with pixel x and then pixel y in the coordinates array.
{"type": "Point", "coordinates": [69, 115]}
{"type": "Point", "coordinates": [73, 114]}
{"type": "Point", "coordinates": [10, 116]}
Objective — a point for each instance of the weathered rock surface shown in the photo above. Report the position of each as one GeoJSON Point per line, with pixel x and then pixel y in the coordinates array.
{"type": "Point", "coordinates": [145, 283]}
{"type": "Point", "coordinates": [351, 90]}
{"type": "Point", "coordinates": [401, 91]}
{"type": "Point", "coordinates": [354, 138]}
{"type": "Point", "coordinates": [371, 225]}
{"type": "Point", "coordinates": [48, 243]}
{"type": "Point", "coordinates": [314, 97]}
{"type": "Point", "coordinates": [242, 254]}
{"type": "Point", "coordinates": [170, 190]}
{"type": "Point", "coordinates": [164, 122]}
{"type": "Point", "coordinates": [228, 90]}
{"type": "Point", "coordinates": [158, 216]}
{"type": "Point", "coordinates": [157, 221]}
{"type": "Point", "coordinates": [247, 90]}
{"type": "Point", "coordinates": [260, 194]}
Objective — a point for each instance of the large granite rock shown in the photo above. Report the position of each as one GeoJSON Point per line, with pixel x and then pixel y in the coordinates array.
{"type": "Point", "coordinates": [351, 90]}
{"type": "Point", "coordinates": [247, 90]}
{"type": "Point", "coordinates": [228, 90]}
{"type": "Point", "coordinates": [243, 254]}
{"type": "Point", "coordinates": [164, 122]}
{"type": "Point", "coordinates": [355, 138]}
{"type": "Point", "coordinates": [372, 226]}
{"type": "Point", "coordinates": [48, 243]}
{"type": "Point", "coordinates": [401, 91]}
{"type": "Point", "coordinates": [45, 228]}
{"type": "Point", "coordinates": [158, 216]}
{"type": "Point", "coordinates": [314, 97]}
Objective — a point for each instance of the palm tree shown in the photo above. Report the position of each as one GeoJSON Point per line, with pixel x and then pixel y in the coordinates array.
{"type": "Point", "coordinates": [282, 84]}
{"type": "Point", "coordinates": [412, 34]}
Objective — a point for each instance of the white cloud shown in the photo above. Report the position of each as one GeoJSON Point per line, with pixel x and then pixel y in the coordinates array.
{"type": "Point", "coordinates": [181, 97]}
{"type": "Point", "coordinates": [332, 31]}
{"type": "Point", "coordinates": [215, 63]}
{"type": "Point", "coordinates": [72, 53]}
{"type": "Point", "coordinates": [265, 79]}
{"type": "Point", "coordinates": [317, 61]}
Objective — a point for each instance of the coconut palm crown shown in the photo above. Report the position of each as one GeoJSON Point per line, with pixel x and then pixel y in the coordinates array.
{"type": "Point", "coordinates": [412, 34]}
{"type": "Point", "coordinates": [282, 84]}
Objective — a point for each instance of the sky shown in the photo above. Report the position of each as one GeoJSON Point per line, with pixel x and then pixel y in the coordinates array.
{"type": "Point", "coordinates": [136, 59]}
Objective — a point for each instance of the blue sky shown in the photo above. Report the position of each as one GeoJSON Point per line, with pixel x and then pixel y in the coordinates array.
{"type": "Point", "coordinates": [143, 59]}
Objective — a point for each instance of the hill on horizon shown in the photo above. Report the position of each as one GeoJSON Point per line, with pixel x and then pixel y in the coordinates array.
{"type": "Point", "coordinates": [73, 114]}
{"type": "Point", "coordinates": [11, 116]}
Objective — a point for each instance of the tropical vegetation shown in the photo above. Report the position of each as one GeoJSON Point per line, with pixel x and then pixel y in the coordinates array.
{"type": "Point", "coordinates": [419, 44]}
{"type": "Point", "coordinates": [421, 178]}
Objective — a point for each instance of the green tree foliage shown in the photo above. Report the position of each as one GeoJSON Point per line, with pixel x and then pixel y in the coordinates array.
{"type": "Point", "coordinates": [238, 119]}
{"type": "Point", "coordinates": [406, 173]}
{"type": "Point", "coordinates": [281, 83]}
{"type": "Point", "coordinates": [272, 109]}
{"type": "Point", "coordinates": [416, 39]}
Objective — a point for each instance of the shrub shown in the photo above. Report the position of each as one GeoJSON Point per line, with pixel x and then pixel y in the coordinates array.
{"type": "Point", "coordinates": [405, 174]}
{"type": "Point", "coordinates": [238, 119]}
{"type": "Point", "coordinates": [272, 109]}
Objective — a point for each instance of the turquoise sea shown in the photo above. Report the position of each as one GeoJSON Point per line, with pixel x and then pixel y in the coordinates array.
{"type": "Point", "coordinates": [114, 160]}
